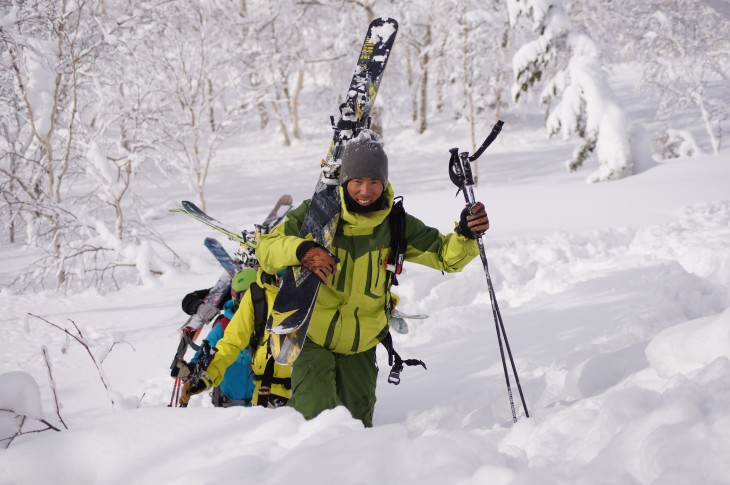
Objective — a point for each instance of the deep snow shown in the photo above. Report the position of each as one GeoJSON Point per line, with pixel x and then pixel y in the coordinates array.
{"type": "Point", "coordinates": [615, 297]}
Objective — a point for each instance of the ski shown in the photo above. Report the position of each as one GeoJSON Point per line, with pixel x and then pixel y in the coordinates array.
{"type": "Point", "coordinates": [293, 306]}
{"type": "Point", "coordinates": [191, 328]}
{"type": "Point", "coordinates": [286, 347]}
{"type": "Point", "coordinates": [221, 288]}
{"type": "Point", "coordinates": [397, 320]}
{"type": "Point", "coordinates": [192, 210]}
{"type": "Point", "coordinates": [246, 238]}
{"type": "Point", "coordinates": [398, 324]}
{"type": "Point", "coordinates": [220, 253]}
{"type": "Point", "coordinates": [277, 214]}
{"type": "Point", "coordinates": [414, 316]}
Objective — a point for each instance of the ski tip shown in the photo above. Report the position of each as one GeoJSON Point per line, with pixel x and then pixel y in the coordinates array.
{"type": "Point", "coordinates": [187, 204]}
{"type": "Point", "coordinates": [383, 28]}
{"type": "Point", "coordinates": [384, 20]}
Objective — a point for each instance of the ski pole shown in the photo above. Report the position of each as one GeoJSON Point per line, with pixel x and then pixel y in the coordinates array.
{"type": "Point", "coordinates": [172, 396]}
{"type": "Point", "coordinates": [461, 175]}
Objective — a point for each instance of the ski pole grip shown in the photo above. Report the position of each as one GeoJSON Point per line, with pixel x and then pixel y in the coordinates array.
{"type": "Point", "coordinates": [456, 172]}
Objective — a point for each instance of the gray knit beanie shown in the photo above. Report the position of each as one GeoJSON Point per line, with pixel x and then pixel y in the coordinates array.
{"type": "Point", "coordinates": [362, 157]}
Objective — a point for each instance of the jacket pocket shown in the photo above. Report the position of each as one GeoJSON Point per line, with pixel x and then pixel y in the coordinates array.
{"type": "Point", "coordinates": [375, 284]}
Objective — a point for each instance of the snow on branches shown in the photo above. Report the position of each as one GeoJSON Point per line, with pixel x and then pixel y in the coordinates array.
{"type": "Point", "coordinates": [576, 93]}
{"type": "Point", "coordinates": [20, 405]}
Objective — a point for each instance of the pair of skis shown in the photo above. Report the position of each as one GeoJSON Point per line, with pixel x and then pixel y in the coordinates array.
{"type": "Point", "coordinates": [294, 304]}
{"type": "Point", "coordinates": [192, 327]}
{"type": "Point", "coordinates": [245, 238]}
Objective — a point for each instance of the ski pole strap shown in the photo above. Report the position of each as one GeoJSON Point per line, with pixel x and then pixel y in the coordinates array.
{"type": "Point", "coordinates": [186, 340]}
{"type": "Point", "coordinates": [189, 336]}
{"type": "Point", "coordinates": [395, 361]}
{"type": "Point", "coordinates": [496, 130]}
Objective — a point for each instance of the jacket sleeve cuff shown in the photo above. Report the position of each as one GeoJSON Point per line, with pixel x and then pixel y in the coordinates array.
{"type": "Point", "coordinates": [304, 247]}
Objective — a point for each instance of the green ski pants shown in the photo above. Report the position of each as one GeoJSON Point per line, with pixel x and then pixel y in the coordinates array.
{"type": "Point", "coordinates": [322, 380]}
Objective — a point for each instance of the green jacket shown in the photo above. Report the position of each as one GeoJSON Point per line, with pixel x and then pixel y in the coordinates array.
{"type": "Point", "coordinates": [350, 313]}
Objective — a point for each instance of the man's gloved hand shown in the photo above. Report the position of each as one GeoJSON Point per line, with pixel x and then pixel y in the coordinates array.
{"type": "Point", "coordinates": [193, 387]}
{"type": "Point", "coordinates": [474, 223]}
{"type": "Point", "coordinates": [206, 311]}
{"type": "Point", "coordinates": [320, 262]}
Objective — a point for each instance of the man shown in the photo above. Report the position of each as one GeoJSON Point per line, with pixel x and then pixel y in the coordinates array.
{"type": "Point", "coordinates": [237, 386]}
{"type": "Point", "coordinates": [247, 331]}
{"type": "Point", "coordinates": [337, 364]}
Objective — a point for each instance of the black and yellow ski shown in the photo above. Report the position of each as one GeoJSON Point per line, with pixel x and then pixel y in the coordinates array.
{"type": "Point", "coordinates": [292, 311]}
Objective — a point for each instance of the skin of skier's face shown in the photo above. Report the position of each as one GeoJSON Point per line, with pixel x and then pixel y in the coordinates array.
{"type": "Point", "coordinates": [365, 191]}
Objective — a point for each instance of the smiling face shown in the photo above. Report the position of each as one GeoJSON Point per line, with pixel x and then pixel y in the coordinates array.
{"type": "Point", "coordinates": [364, 190]}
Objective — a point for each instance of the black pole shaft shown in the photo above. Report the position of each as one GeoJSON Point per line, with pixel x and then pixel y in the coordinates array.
{"type": "Point", "coordinates": [500, 334]}
{"type": "Point", "coordinates": [498, 321]}
{"type": "Point", "coordinates": [499, 324]}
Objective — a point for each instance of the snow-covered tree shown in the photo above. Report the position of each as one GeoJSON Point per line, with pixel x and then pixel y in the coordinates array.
{"type": "Point", "coordinates": [685, 57]}
{"type": "Point", "coordinates": [576, 93]}
{"type": "Point", "coordinates": [57, 175]}
{"type": "Point", "coordinates": [194, 57]}
{"type": "Point", "coordinates": [424, 34]}
{"type": "Point", "coordinates": [46, 48]}
{"type": "Point", "coordinates": [681, 49]}
{"type": "Point", "coordinates": [478, 55]}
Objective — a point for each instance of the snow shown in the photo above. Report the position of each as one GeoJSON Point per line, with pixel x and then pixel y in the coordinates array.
{"type": "Point", "coordinates": [615, 298]}
{"type": "Point", "coordinates": [20, 394]}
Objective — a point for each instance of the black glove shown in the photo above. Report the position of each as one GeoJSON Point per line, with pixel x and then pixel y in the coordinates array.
{"type": "Point", "coordinates": [474, 223]}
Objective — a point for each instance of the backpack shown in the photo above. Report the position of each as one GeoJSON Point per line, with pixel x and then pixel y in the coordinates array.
{"type": "Point", "coordinates": [398, 245]}
{"type": "Point", "coordinates": [261, 314]}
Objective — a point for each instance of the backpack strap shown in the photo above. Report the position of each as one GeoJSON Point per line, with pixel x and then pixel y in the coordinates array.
{"type": "Point", "coordinates": [395, 361]}
{"type": "Point", "coordinates": [221, 320]}
{"type": "Point", "coordinates": [260, 313]}
{"type": "Point", "coordinates": [220, 400]}
{"type": "Point", "coordinates": [267, 380]}
{"type": "Point", "coordinates": [398, 241]}
{"type": "Point", "coordinates": [398, 245]}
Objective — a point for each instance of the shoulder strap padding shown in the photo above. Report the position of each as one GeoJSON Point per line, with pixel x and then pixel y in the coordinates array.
{"type": "Point", "coordinates": [260, 312]}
